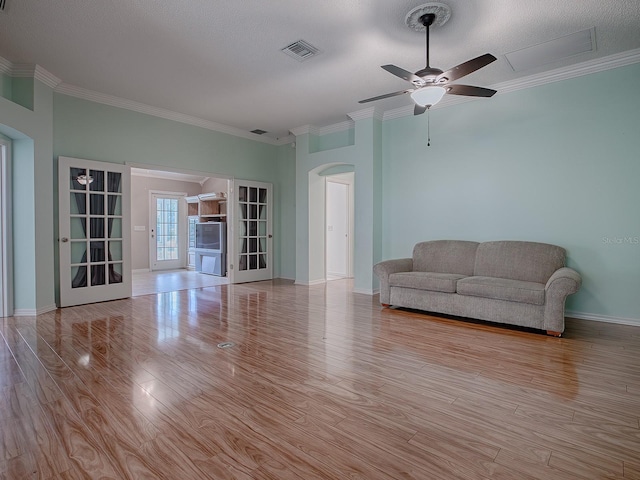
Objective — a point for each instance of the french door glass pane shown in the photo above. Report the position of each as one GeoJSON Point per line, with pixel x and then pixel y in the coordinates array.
{"type": "Point", "coordinates": [96, 204]}
{"type": "Point", "coordinates": [96, 180]}
{"type": "Point", "coordinates": [78, 227]}
{"type": "Point", "coordinates": [79, 276]}
{"type": "Point", "coordinates": [78, 203]}
{"type": "Point", "coordinates": [115, 228]}
{"type": "Point", "coordinates": [166, 228]}
{"type": "Point", "coordinates": [98, 274]}
{"type": "Point", "coordinates": [115, 205]}
{"type": "Point", "coordinates": [96, 229]}
{"type": "Point", "coordinates": [78, 252]}
{"type": "Point", "coordinates": [114, 182]}
{"type": "Point", "coordinates": [117, 269]}
{"type": "Point", "coordinates": [97, 251]}
{"type": "Point", "coordinates": [115, 250]}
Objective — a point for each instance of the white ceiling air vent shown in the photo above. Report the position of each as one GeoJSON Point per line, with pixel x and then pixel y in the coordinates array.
{"type": "Point", "coordinates": [301, 50]}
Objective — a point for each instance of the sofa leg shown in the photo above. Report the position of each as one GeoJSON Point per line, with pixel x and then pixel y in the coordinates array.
{"type": "Point", "coordinates": [554, 334]}
{"type": "Point", "coordinates": [385, 305]}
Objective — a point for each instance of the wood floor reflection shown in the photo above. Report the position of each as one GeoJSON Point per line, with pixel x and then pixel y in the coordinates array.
{"type": "Point", "coordinates": [320, 383]}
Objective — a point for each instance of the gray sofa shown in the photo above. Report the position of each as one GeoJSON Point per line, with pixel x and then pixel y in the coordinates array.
{"type": "Point", "coordinates": [513, 282]}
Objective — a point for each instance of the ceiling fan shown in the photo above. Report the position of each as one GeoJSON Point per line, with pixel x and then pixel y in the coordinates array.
{"type": "Point", "coordinates": [430, 84]}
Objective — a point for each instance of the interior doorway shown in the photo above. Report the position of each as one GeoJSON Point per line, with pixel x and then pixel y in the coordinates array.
{"type": "Point", "coordinates": [339, 226]}
{"type": "Point", "coordinates": [147, 279]}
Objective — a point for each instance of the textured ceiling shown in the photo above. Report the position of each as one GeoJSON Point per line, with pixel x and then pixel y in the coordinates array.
{"type": "Point", "coordinates": [220, 60]}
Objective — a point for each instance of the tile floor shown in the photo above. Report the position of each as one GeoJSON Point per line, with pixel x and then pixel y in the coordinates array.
{"type": "Point", "coordinates": [148, 283]}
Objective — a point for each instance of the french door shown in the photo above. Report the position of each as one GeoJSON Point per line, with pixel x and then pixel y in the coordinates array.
{"type": "Point", "coordinates": [167, 231]}
{"type": "Point", "coordinates": [252, 247]}
{"type": "Point", "coordinates": [94, 231]}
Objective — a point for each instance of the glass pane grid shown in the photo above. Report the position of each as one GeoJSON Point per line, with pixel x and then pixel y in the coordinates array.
{"type": "Point", "coordinates": [166, 229]}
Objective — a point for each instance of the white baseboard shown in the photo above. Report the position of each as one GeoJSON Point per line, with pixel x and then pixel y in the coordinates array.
{"type": "Point", "coordinates": [312, 282]}
{"type": "Point", "coordinates": [602, 318]}
{"type": "Point", "coordinates": [32, 312]}
{"type": "Point", "coordinates": [365, 291]}
{"type": "Point", "coordinates": [285, 278]}
{"type": "Point", "coordinates": [140, 270]}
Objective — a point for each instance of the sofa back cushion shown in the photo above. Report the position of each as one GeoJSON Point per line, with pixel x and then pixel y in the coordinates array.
{"type": "Point", "coordinates": [527, 261]}
{"type": "Point", "coordinates": [445, 256]}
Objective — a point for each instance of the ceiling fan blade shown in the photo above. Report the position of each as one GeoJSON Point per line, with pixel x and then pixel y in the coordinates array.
{"type": "Point", "coordinates": [387, 95]}
{"type": "Point", "coordinates": [467, 67]}
{"type": "Point", "coordinates": [402, 73]}
{"type": "Point", "coordinates": [419, 109]}
{"type": "Point", "coordinates": [470, 91]}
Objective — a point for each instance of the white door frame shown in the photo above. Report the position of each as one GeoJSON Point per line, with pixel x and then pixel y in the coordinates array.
{"type": "Point", "coordinates": [6, 231]}
{"type": "Point", "coordinates": [154, 264]}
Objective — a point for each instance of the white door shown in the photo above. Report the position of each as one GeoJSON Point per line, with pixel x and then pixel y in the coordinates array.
{"type": "Point", "coordinates": [94, 231]}
{"type": "Point", "coordinates": [252, 249]}
{"type": "Point", "coordinates": [337, 231]}
{"type": "Point", "coordinates": [167, 231]}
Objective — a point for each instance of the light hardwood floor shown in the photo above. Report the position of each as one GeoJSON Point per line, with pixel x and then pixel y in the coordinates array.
{"type": "Point", "coordinates": [321, 383]}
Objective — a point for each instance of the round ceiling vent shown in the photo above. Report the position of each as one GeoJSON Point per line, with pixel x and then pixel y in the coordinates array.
{"type": "Point", "coordinates": [440, 10]}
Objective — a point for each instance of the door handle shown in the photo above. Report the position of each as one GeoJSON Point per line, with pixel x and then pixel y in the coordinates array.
{"type": "Point", "coordinates": [64, 239]}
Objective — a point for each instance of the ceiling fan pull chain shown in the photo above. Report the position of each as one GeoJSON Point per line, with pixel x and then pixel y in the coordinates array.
{"type": "Point", "coordinates": [428, 129]}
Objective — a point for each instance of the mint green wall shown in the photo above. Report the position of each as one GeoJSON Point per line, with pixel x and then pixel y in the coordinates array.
{"type": "Point", "coordinates": [5, 86]}
{"type": "Point", "coordinates": [557, 163]}
{"type": "Point", "coordinates": [85, 129]}
{"type": "Point", "coordinates": [365, 156]}
{"type": "Point", "coordinates": [285, 203]}
{"type": "Point", "coordinates": [18, 90]}
{"type": "Point", "coordinates": [334, 140]}
{"type": "Point", "coordinates": [94, 131]}
{"type": "Point", "coordinates": [33, 237]}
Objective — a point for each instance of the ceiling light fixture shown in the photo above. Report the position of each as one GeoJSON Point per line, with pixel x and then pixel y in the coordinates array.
{"type": "Point", "coordinates": [428, 96]}
{"type": "Point", "coordinates": [84, 179]}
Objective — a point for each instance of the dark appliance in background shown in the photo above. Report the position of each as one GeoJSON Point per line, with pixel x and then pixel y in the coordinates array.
{"type": "Point", "coordinates": [211, 248]}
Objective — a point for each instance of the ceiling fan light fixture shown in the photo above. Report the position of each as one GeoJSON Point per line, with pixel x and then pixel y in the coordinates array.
{"type": "Point", "coordinates": [428, 96]}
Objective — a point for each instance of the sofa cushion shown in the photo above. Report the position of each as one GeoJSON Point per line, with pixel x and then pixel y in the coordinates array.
{"type": "Point", "coordinates": [527, 261]}
{"type": "Point", "coordinates": [445, 256]}
{"type": "Point", "coordinates": [438, 282]}
{"type": "Point", "coordinates": [502, 289]}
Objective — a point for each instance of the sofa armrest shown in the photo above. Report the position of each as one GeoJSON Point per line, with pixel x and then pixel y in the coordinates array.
{"type": "Point", "coordinates": [560, 285]}
{"type": "Point", "coordinates": [386, 268]}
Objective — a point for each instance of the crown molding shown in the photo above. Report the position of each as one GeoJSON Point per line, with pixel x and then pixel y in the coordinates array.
{"type": "Point", "coordinates": [305, 129]}
{"type": "Point", "coordinates": [565, 73]}
{"type": "Point", "coordinates": [46, 77]}
{"type": "Point", "coordinates": [365, 113]}
{"type": "Point", "coordinates": [5, 66]}
{"type": "Point", "coordinates": [23, 70]}
{"type": "Point", "coordinates": [284, 140]}
{"type": "Point", "coordinates": [585, 68]}
{"type": "Point", "coordinates": [337, 127]}
{"type": "Point", "coordinates": [113, 101]}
